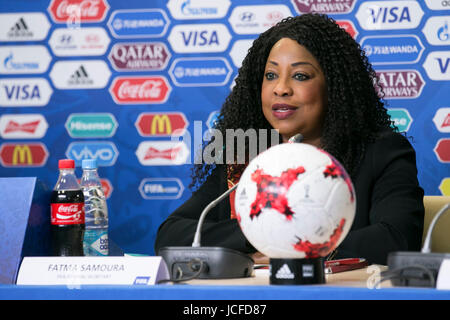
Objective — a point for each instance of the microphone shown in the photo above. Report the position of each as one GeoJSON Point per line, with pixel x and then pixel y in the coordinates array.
{"type": "Point", "coordinates": [206, 262]}
{"type": "Point", "coordinates": [417, 269]}
{"type": "Point", "coordinates": [296, 138]}
{"type": "Point", "coordinates": [209, 262]}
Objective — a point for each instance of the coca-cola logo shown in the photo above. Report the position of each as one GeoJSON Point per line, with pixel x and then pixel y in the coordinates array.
{"type": "Point", "coordinates": [68, 209]}
{"type": "Point", "coordinates": [324, 6]}
{"type": "Point", "coordinates": [77, 11]}
{"type": "Point", "coordinates": [139, 56]}
{"type": "Point", "coordinates": [401, 84]}
{"type": "Point", "coordinates": [67, 213]}
{"type": "Point", "coordinates": [139, 90]}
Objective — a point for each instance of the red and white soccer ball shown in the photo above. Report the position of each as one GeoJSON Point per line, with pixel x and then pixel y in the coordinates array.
{"type": "Point", "coordinates": [295, 201]}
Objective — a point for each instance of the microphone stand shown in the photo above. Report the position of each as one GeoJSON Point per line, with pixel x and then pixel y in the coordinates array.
{"type": "Point", "coordinates": [215, 262]}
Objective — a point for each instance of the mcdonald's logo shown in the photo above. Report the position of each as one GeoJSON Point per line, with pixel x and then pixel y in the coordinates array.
{"type": "Point", "coordinates": [150, 124]}
{"type": "Point", "coordinates": [161, 125]}
{"type": "Point", "coordinates": [23, 155]}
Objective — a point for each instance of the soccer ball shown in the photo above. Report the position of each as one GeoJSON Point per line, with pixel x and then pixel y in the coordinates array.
{"type": "Point", "coordinates": [295, 201]}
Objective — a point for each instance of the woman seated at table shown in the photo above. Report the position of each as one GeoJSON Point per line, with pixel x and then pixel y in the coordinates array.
{"type": "Point", "coordinates": [307, 75]}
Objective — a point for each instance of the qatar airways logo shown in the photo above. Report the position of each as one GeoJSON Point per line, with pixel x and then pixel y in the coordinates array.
{"type": "Point", "coordinates": [139, 56]}
{"type": "Point", "coordinates": [140, 90]}
{"type": "Point", "coordinates": [324, 6]}
{"type": "Point", "coordinates": [401, 84]}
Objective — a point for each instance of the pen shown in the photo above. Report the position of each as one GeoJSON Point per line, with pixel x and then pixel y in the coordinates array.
{"type": "Point", "coordinates": [341, 262]}
{"type": "Point", "coordinates": [335, 266]}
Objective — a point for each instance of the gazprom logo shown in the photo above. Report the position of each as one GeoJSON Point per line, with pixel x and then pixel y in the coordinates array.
{"type": "Point", "coordinates": [138, 23]}
{"type": "Point", "coordinates": [189, 72]}
{"type": "Point", "coordinates": [198, 9]}
{"type": "Point", "coordinates": [105, 152]}
{"type": "Point", "coordinates": [397, 49]}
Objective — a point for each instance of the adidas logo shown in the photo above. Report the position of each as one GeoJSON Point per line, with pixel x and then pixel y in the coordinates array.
{"type": "Point", "coordinates": [19, 29]}
{"type": "Point", "coordinates": [284, 273]}
{"type": "Point", "coordinates": [80, 77]}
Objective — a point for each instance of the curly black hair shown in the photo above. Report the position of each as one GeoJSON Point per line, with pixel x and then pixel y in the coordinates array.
{"type": "Point", "coordinates": [355, 113]}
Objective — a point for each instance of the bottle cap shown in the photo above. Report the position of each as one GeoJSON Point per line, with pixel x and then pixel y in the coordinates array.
{"type": "Point", "coordinates": [89, 164]}
{"type": "Point", "coordinates": [66, 164]}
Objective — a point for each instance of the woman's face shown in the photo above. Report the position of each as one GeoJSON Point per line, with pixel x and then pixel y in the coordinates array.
{"type": "Point", "coordinates": [293, 92]}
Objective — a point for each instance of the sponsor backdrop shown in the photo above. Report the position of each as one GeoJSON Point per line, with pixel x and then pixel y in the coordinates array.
{"type": "Point", "coordinates": [117, 80]}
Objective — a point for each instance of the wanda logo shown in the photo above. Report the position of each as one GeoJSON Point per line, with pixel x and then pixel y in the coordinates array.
{"type": "Point", "coordinates": [78, 10]}
{"type": "Point", "coordinates": [138, 90]}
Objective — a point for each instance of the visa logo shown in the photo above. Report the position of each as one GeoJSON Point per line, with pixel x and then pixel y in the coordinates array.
{"type": "Point", "coordinates": [443, 65]}
{"type": "Point", "coordinates": [200, 38]}
{"type": "Point", "coordinates": [24, 92]}
{"type": "Point", "coordinates": [389, 15]}
{"type": "Point", "coordinates": [437, 65]}
{"type": "Point", "coordinates": [192, 38]}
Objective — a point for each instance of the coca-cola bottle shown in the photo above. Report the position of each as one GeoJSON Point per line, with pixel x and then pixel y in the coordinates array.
{"type": "Point", "coordinates": [67, 212]}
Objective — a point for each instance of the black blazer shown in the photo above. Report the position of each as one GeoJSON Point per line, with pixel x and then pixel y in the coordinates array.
{"type": "Point", "coordinates": [389, 208]}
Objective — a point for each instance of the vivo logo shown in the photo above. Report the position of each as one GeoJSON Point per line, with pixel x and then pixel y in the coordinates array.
{"type": "Point", "coordinates": [104, 152]}
{"type": "Point", "coordinates": [389, 15]}
{"type": "Point", "coordinates": [199, 38]}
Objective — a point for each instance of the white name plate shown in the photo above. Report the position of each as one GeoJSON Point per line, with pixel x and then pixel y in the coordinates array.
{"type": "Point", "coordinates": [443, 278]}
{"type": "Point", "coordinates": [75, 271]}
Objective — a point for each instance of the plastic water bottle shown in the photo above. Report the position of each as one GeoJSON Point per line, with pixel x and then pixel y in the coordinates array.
{"type": "Point", "coordinates": [96, 211]}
